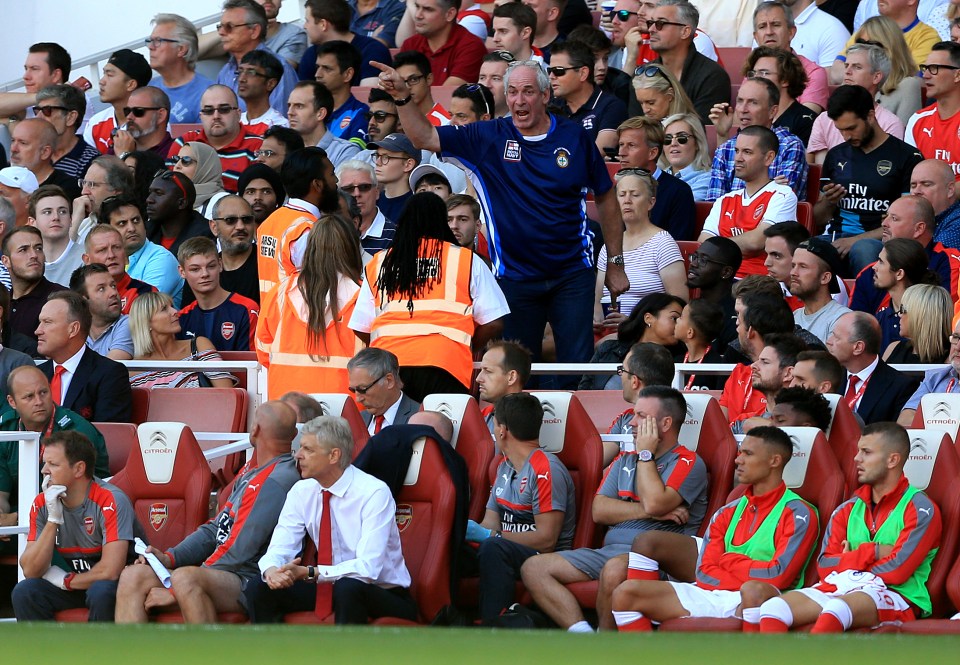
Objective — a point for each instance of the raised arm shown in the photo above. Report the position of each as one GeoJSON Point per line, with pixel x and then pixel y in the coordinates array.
{"type": "Point", "coordinates": [415, 123]}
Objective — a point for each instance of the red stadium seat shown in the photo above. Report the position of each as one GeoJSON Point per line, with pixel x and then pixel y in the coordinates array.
{"type": "Point", "coordinates": [805, 217]}
{"type": "Point", "coordinates": [120, 438]}
{"type": "Point", "coordinates": [471, 439]}
{"type": "Point", "coordinates": [813, 183]}
{"type": "Point", "coordinates": [179, 129]}
{"type": "Point", "coordinates": [239, 355]}
{"type": "Point", "coordinates": [341, 404]}
{"type": "Point", "coordinates": [843, 435]}
{"type": "Point", "coordinates": [940, 626]}
{"type": "Point", "coordinates": [603, 406]}
{"type": "Point", "coordinates": [733, 58]}
{"type": "Point", "coordinates": [425, 512]}
{"type": "Point", "coordinates": [687, 248]}
{"type": "Point", "coordinates": [703, 209]}
{"type": "Point", "coordinates": [141, 404]}
{"type": "Point", "coordinates": [711, 132]}
{"type": "Point", "coordinates": [442, 94]}
{"type": "Point", "coordinates": [593, 212]}
{"type": "Point", "coordinates": [613, 168]}
{"type": "Point", "coordinates": [361, 92]}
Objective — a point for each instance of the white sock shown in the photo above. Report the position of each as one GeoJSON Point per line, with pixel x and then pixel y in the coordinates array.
{"type": "Point", "coordinates": [751, 615]}
{"type": "Point", "coordinates": [841, 610]}
{"type": "Point", "coordinates": [624, 618]}
{"type": "Point", "coordinates": [776, 608]}
{"type": "Point", "coordinates": [580, 627]}
{"type": "Point", "coordinates": [641, 562]}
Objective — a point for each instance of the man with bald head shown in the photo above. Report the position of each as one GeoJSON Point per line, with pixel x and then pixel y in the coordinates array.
{"type": "Point", "coordinates": [211, 566]}
{"type": "Point", "coordinates": [436, 420]}
{"type": "Point", "coordinates": [32, 146]}
{"type": "Point", "coordinates": [32, 410]}
{"type": "Point", "coordinates": [933, 179]}
{"type": "Point", "coordinates": [910, 217]}
{"type": "Point", "coordinates": [874, 390]}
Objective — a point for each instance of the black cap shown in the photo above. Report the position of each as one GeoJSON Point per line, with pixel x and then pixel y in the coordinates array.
{"type": "Point", "coordinates": [827, 253]}
{"type": "Point", "coordinates": [133, 65]}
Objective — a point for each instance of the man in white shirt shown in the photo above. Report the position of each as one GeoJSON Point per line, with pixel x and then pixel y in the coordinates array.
{"type": "Point", "coordinates": [49, 210]}
{"type": "Point", "coordinates": [374, 377]}
{"type": "Point", "coordinates": [820, 36]}
{"type": "Point", "coordinates": [364, 576]}
{"type": "Point", "coordinates": [813, 278]}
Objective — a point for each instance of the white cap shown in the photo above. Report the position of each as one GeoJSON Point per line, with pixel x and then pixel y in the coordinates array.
{"type": "Point", "coordinates": [19, 178]}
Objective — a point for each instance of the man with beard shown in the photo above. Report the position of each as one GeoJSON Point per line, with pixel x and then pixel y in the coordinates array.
{"type": "Point", "coordinates": [147, 114]}
{"type": "Point", "coordinates": [23, 257]}
{"type": "Point", "coordinates": [358, 178]}
{"type": "Point", "coordinates": [109, 333]}
{"type": "Point", "coordinates": [64, 106]}
{"type": "Point", "coordinates": [813, 278]}
{"type": "Point", "coordinates": [772, 372]}
{"type": "Point", "coordinates": [262, 188]}
{"type": "Point", "coordinates": [233, 227]}
{"type": "Point", "coordinates": [147, 261]}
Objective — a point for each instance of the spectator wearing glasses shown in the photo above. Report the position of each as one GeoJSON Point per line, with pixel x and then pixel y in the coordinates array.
{"type": "Point", "coordinates": [106, 176]}
{"type": "Point", "coordinates": [626, 15]}
{"type": "Point", "coordinates": [415, 70]}
{"type": "Point", "coordinates": [329, 20]}
{"type": "Point", "coordinates": [471, 103]}
{"type": "Point", "coordinates": [201, 163]}
{"type": "Point", "coordinates": [394, 158]}
{"type": "Point", "coordinates": [491, 75]}
{"type": "Point", "coordinates": [933, 130]}
{"type": "Point", "coordinates": [278, 142]}
{"type": "Point", "coordinates": [257, 76]}
{"type": "Point", "coordinates": [64, 106]}
{"type": "Point", "coordinates": [579, 98]}
{"type": "Point", "coordinates": [514, 28]}
{"type": "Point", "coordinates": [145, 128]}
{"type": "Point", "coordinates": [686, 154]}
{"type": "Point", "coordinates": [374, 378]}
{"type": "Point", "coordinates": [124, 72]}
{"type": "Point", "coordinates": [337, 64]}
{"type": "Point", "coordinates": [227, 319]}
{"type": "Point", "coordinates": [303, 340]}
{"type": "Point", "coordinates": [47, 63]}
{"type": "Point", "coordinates": [173, 49]}
{"type": "Point", "coordinates": [925, 313]}
{"type": "Point", "coordinates": [236, 236]}
{"type": "Point", "coordinates": [657, 93]}
{"type": "Point", "coordinates": [220, 117]}
{"type": "Point", "coordinates": [242, 29]}
{"type": "Point", "coordinates": [610, 79]}
{"type": "Point", "coordinates": [359, 179]}
{"type": "Point", "coordinates": [785, 71]}
{"type": "Point", "coordinates": [382, 115]}
{"type": "Point", "coordinates": [673, 26]}
{"type": "Point", "coordinates": [32, 143]}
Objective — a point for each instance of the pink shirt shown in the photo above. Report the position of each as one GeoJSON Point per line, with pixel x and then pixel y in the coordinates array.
{"type": "Point", "coordinates": [825, 134]}
{"type": "Point", "coordinates": [816, 91]}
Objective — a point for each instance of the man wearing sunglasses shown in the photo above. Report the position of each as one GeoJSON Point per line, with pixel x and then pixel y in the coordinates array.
{"type": "Point", "coordinates": [63, 106]}
{"type": "Point", "coordinates": [626, 15]}
{"type": "Point", "coordinates": [358, 178]}
{"type": "Point", "coordinates": [124, 72]}
{"type": "Point", "coordinates": [374, 376]}
{"type": "Point", "coordinates": [146, 124]}
{"type": "Point", "coordinates": [382, 118]}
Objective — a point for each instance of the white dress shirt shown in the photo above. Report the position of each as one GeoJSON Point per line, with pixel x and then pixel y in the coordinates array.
{"type": "Point", "coordinates": [388, 416]}
{"type": "Point", "coordinates": [70, 369]}
{"type": "Point", "coordinates": [364, 534]}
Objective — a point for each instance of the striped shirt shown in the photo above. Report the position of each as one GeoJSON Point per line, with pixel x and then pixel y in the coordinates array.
{"type": "Point", "coordinates": [75, 162]}
{"type": "Point", "coordinates": [179, 379]}
{"type": "Point", "coordinates": [643, 265]}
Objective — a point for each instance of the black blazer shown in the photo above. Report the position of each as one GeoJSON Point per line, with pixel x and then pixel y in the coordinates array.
{"type": "Point", "coordinates": [99, 390]}
{"type": "Point", "coordinates": [887, 391]}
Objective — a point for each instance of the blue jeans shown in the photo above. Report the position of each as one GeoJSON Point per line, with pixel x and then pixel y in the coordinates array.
{"type": "Point", "coordinates": [566, 303]}
{"type": "Point", "coordinates": [38, 600]}
{"type": "Point", "coordinates": [863, 253]}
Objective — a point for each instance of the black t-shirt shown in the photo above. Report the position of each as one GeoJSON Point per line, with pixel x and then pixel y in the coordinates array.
{"type": "Point", "coordinates": [873, 180]}
{"type": "Point", "coordinates": [799, 120]}
{"type": "Point", "coordinates": [64, 182]}
{"type": "Point", "coordinates": [391, 208]}
{"type": "Point", "coordinates": [244, 280]}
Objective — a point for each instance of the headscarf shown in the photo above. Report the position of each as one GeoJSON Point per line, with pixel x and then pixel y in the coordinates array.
{"type": "Point", "coordinates": [208, 178]}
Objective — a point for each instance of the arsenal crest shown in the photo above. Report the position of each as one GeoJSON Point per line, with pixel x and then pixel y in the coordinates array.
{"type": "Point", "coordinates": [404, 516]}
{"type": "Point", "coordinates": [758, 213]}
{"type": "Point", "coordinates": [884, 166]}
{"type": "Point", "coordinates": [88, 525]}
{"type": "Point", "coordinates": [523, 484]}
{"type": "Point", "coordinates": [227, 329]}
{"type": "Point", "coordinates": [158, 515]}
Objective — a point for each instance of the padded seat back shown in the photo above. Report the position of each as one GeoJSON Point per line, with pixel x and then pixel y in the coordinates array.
{"type": "Point", "coordinates": [603, 406]}
{"type": "Point", "coordinates": [471, 439]}
{"type": "Point", "coordinates": [341, 404]}
{"type": "Point", "coordinates": [141, 404]}
{"type": "Point", "coordinates": [425, 513]}
{"type": "Point", "coordinates": [168, 482]}
{"type": "Point", "coordinates": [120, 438]}
{"type": "Point", "coordinates": [843, 434]}
{"type": "Point", "coordinates": [706, 432]}
{"type": "Point", "coordinates": [941, 411]}
{"type": "Point", "coordinates": [934, 467]}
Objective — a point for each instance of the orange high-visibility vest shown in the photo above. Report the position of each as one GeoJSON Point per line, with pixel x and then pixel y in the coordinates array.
{"type": "Point", "coordinates": [300, 228]}
{"type": "Point", "coordinates": [440, 328]}
{"type": "Point", "coordinates": [269, 234]}
{"type": "Point", "coordinates": [282, 342]}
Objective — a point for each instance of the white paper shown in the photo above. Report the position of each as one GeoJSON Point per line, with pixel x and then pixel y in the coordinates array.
{"type": "Point", "coordinates": [163, 574]}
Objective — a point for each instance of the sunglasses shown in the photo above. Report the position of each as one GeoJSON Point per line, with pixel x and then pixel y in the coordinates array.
{"type": "Point", "coordinates": [633, 171]}
{"type": "Point", "coordinates": [155, 42]}
{"type": "Point", "coordinates": [623, 14]}
{"type": "Point", "coordinates": [223, 109]}
{"type": "Point", "coordinates": [379, 116]}
{"type": "Point", "coordinates": [559, 71]}
{"type": "Point", "coordinates": [362, 187]}
{"type": "Point", "coordinates": [682, 138]}
{"type": "Point", "coordinates": [233, 219]}
{"type": "Point", "coordinates": [47, 111]}
{"type": "Point", "coordinates": [868, 42]}
{"type": "Point", "coordinates": [139, 111]}
{"type": "Point", "coordinates": [659, 23]}
{"type": "Point", "coordinates": [649, 71]}
{"type": "Point", "coordinates": [363, 391]}
{"type": "Point", "coordinates": [506, 56]}
{"type": "Point", "coordinates": [229, 27]}
{"type": "Point", "coordinates": [186, 160]}
{"type": "Point", "coordinates": [475, 90]}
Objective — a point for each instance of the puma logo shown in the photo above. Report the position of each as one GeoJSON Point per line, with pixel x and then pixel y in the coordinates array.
{"type": "Point", "coordinates": [925, 511]}
{"type": "Point", "coordinates": [686, 461]}
{"type": "Point", "coordinates": [110, 507]}
{"type": "Point", "coordinates": [840, 165]}
{"type": "Point", "coordinates": [928, 131]}
{"type": "Point", "coordinates": [728, 214]}
{"type": "Point", "coordinates": [253, 487]}
{"type": "Point", "coordinates": [627, 470]}
{"type": "Point", "coordinates": [802, 518]}
{"type": "Point", "coordinates": [543, 476]}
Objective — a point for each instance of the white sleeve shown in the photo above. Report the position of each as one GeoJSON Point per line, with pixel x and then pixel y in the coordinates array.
{"type": "Point", "coordinates": [865, 9]}
{"type": "Point", "coordinates": [712, 224]}
{"type": "Point", "coordinates": [287, 536]}
{"type": "Point", "coordinates": [378, 519]}
{"type": "Point", "coordinates": [908, 133]}
{"type": "Point", "coordinates": [475, 25]}
{"type": "Point", "coordinates": [364, 312]}
{"type": "Point", "coordinates": [782, 208]}
{"type": "Point", "coordinates": [833, 43]}
{"type": "Point", "coordinates": [489, 303]}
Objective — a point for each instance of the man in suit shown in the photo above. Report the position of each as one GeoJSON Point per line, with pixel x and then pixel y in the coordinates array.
{"type": "Point", "coordinates": [874, 390]}
{"type": "Point", "coordinates": [374, 376]}
{"type": "Point", "coordinates": [81, 380]}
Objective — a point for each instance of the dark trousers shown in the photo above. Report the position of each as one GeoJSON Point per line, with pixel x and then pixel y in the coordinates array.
{"type": "Point", "coordinates": [566, 303]}
{"type": "Point", "coordinates": [418, 382]}
{"type": "Point", "coordinates": [499, 561]}
{"type": "Point", "coordinates": [38, 600]}
{"type": "Point", "coordinates": [354, 602]}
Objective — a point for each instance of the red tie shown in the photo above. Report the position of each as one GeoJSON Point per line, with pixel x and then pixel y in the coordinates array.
{"type": "Point", "coordinates": [851, 397]}
{"type": "Point", "coordinates": [324, 606]}
{"type": "Point", "coordinates": [55, 384]}
{"type": "Point", "coordinates": [377, 424]}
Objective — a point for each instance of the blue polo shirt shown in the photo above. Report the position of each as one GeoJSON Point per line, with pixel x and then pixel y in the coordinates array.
{"type": "Point", "coordinates": [370, 49]}
{"type": "Point", "coordinates": [348, 122]}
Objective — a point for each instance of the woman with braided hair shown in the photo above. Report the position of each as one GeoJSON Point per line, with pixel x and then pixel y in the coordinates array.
{"type": "Point", "coordinates": [429, 301]}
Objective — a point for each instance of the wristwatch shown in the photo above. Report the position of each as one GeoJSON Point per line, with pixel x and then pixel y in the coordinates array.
{"type": "Point", "coordinates": [311, 574]}
{"type": "Point", "coordinates": [404, 101]}
{"type": "Point", "coordinates": [617, 260]}
{"type": "Point", "coordinates": [645, 456]}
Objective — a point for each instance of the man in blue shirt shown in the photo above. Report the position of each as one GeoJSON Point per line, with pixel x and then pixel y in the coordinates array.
{"type": "Point", "coordinates": [329, 20]}
{"type": "Point", "coordinates": [532, 173]}
{"type": "Point", "coordinates": [336, 63]}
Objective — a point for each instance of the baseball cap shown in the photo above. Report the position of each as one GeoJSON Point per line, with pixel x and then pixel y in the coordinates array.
{"type": "Point", "coordinates": [398, 143]}
{"type": "Point", "coordinates": [133, 65]}
{"type": "Point", "coordinates": [827, 253]}
{"type": "Point", "coordinates": [19, 178]}
{"type": "Point", "coordinates": [417, 174]}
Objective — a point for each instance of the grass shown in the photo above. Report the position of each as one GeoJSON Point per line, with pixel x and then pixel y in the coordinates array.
{"type": "Point", "coordinates": [78, 644]}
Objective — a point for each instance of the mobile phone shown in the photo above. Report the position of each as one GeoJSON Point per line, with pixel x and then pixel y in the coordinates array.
{"type": "Point", "coordinates": [82, 83]}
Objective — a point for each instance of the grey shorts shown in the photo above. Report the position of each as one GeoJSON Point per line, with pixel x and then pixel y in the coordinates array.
{"type": "Point", "coordinates": [590, 562]}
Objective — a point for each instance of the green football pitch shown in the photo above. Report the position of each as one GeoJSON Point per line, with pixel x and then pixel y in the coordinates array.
{"type": "Point", "coordinates": [78, 644]}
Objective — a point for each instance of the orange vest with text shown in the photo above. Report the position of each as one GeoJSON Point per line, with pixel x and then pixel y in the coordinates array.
{"type": "Point", "coordinates": [268, 244]}
{"type": "Point", "coordinates": [439, 329]}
